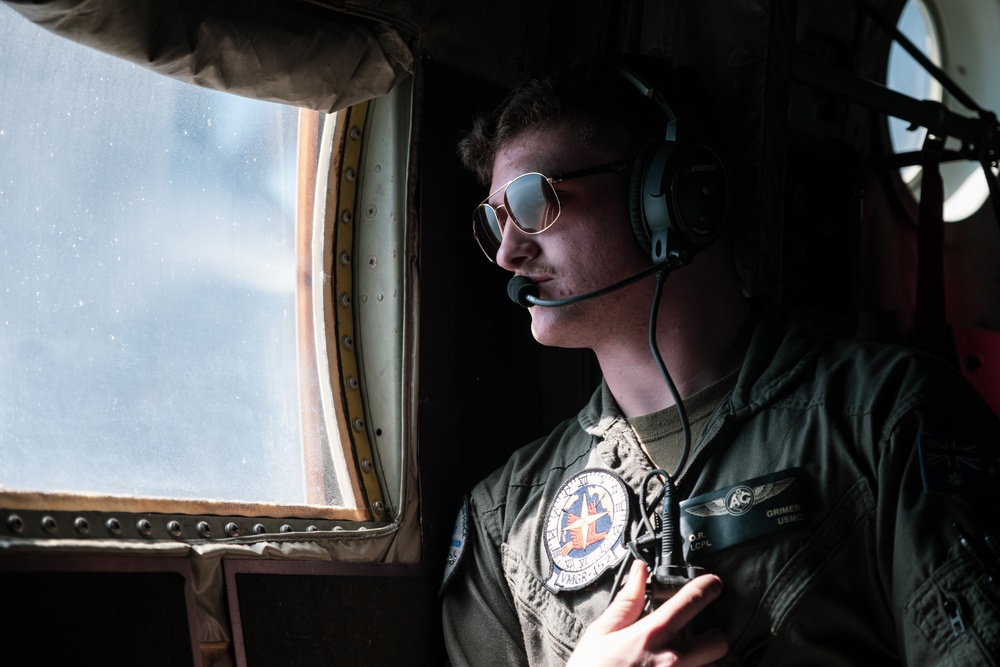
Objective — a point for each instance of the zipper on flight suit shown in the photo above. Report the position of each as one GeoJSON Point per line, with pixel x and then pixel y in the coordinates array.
{"type": "Point", "coordinates": [954, 614]}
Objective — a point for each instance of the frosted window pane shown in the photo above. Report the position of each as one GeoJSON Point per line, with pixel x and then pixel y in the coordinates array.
{"type": "Point", "coordinates": [147, 281]}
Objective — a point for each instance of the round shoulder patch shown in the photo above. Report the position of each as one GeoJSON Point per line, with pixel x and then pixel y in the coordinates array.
{"type": "Point", "coordinates": [459, 538]}
{"type": "Point", "coordinates": [585, 528]}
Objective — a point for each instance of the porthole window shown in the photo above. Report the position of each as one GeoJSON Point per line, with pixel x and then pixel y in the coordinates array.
{"type": "Point", "coordinates": [959, 36]}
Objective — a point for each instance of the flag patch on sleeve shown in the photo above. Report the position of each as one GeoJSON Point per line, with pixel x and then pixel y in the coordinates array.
{"type": "Point", "coordinates": [957, 466]}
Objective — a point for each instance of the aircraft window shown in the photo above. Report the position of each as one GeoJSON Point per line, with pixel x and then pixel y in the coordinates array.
{"type": "Point", "coordinates": [907, 76]}
{"type": "Point", "coordinates": [157, 313]}
{"type": "Point", "coordinates": [960, 37]}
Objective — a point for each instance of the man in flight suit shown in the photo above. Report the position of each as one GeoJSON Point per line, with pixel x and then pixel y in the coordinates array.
{"type": "Point", "coordinates": [828, 502]}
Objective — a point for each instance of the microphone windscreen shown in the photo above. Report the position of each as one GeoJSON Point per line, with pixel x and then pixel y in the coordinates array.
{"type": "Point", "coordinates": [520, 288]}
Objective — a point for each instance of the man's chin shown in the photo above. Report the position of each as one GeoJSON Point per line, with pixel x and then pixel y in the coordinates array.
{"type": "Point", "coordinates": [553, 329]}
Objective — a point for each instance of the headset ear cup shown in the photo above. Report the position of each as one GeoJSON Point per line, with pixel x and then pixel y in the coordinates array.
{"type": "Point", "coordinates": [654, 201]}
{"type": "Point", "coordinates": [679, 188]}
{"type": "Point", "coordinates": [701, 184]}
{"type": "Point", "coordinates": [637, 214]}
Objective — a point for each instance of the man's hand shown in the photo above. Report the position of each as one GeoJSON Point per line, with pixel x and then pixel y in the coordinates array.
{"type": "Point", "coordinates": [620, 637]}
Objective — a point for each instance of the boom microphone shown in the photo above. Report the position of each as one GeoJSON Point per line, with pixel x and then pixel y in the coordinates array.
{"type": "Point", "coordinates": [524, 292]}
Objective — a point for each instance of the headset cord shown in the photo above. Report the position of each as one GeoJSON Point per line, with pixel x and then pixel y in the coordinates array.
{"type": "Point", "coordinates": [640, 546]}
{"type": "Point", "coordinates": [667, 567]}
{"type": "Point", "coordinates": [661, 278]}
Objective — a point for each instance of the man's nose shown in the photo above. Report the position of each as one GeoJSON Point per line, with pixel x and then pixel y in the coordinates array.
{"type": "Point", "coordinates": [516, 247]}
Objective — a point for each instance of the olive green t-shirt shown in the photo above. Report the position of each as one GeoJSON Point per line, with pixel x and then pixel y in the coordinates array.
{"type": "Point", "coordinates": [661, 433]}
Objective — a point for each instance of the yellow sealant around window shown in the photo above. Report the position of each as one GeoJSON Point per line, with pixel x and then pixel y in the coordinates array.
{"type": "Point", "coordinates": [341, 218]}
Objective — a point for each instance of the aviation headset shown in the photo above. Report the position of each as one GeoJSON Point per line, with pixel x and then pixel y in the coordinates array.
{"type": "Point", "coordinates": [679, 190]}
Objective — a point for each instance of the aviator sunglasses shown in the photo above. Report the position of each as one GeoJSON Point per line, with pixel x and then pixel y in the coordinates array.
{"type": "Point", "coordinates": [530, 201]}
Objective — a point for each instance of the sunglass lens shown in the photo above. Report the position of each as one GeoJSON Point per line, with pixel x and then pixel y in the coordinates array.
{"type": "Point", "coordinates": [532, 203]}
{"type": "Point", "coordinates": [486, 228]}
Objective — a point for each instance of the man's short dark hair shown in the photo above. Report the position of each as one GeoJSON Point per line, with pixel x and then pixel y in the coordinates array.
{"type": "Point", "coordinates": [609, 112]}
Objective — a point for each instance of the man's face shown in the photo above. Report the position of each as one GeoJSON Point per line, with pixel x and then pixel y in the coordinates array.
{"type": "Point", "coordinates": [590, 246]}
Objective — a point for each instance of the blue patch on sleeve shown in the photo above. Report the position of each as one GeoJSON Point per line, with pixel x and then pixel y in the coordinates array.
{"type": "Point", "coordinates": [456, 549]}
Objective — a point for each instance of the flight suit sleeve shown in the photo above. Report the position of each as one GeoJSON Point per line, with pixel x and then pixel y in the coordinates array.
{"type": "Point", "coordinates": [480, 624]}
{"type": "Point", "coordinates": [938, 528]}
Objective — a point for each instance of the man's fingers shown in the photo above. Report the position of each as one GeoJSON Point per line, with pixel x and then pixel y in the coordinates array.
{"type": "Point", "coordinates": [619, 636]}
{"type": "Point", "coordinates": [627, 604]}
{"type": "Point", "coordinates": [674, 614]}
{"type": "Point", "coordinates": [705, 649]}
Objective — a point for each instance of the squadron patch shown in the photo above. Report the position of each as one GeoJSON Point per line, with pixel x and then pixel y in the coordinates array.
{"type": "Point", "coordinates": [585, 528]}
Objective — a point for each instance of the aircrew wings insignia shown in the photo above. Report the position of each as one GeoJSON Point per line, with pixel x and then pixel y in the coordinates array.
{"type": "Point", "coordinates": [740, 499]}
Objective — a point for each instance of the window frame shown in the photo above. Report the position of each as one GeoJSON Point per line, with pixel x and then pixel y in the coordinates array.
{"type": "Point", "coordinates": [342, 166]}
